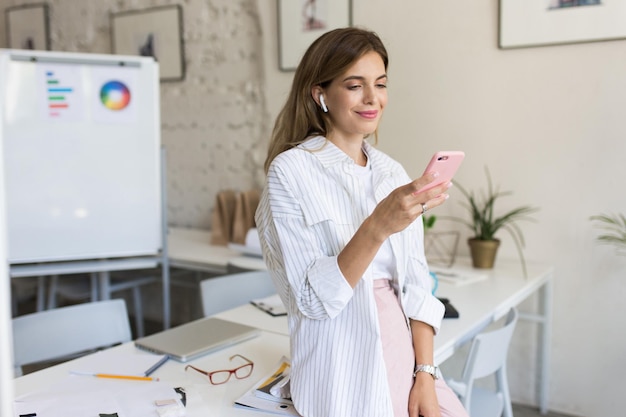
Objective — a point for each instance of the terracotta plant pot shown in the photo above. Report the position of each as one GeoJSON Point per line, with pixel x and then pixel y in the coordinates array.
{"type": "Point", "coordinates": [483, 252]}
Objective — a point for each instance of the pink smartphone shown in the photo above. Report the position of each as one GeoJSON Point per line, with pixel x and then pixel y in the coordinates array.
{"type": "Point", "coordinates": [446, 163]}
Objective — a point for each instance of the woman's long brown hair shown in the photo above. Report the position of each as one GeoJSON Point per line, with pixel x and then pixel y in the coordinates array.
{"type": "Point", "coordinates": [327, 58]}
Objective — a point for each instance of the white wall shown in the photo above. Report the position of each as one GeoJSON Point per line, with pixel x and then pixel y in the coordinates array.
{"type": "Point", "coordinates": [549, 124]}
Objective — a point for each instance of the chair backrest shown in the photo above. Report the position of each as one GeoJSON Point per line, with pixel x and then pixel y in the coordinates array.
{"type": "Point", "coordinates": [489, 350]}
{"type": "Point", "coordinates": [61, 332]}
{"type": "Point", "coordinates": [487, 356]}
{"type": "Point", "coordinates": [229, 291]}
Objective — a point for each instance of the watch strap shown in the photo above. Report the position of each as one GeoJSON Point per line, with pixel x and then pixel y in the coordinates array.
{"type": "Point", "coordinates": [429, 369]}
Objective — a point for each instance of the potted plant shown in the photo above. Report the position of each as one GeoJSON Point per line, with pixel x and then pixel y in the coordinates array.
{"type": "Point", "coordinates": [614, 227]}
{"type": "Point", "coordinates": [484, 223]}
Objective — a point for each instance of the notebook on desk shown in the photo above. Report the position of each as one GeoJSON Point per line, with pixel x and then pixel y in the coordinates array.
{"type": "Point", "coordinates": [197, 338]}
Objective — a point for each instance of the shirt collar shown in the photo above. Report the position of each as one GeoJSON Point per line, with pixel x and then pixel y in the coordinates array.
{"type": "Point", "coordinates": [330, 155]}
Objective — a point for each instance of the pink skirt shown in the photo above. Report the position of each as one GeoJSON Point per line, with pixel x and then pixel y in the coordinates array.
{"type": "Point", "coordinates": [400, 358]}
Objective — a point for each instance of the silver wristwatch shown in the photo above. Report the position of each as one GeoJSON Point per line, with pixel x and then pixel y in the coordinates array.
{"type": "Point", "coordinates": [429, 369]}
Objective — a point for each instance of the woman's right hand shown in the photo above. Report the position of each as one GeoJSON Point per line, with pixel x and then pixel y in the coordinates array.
{"type": "Point", "coordinates": [405, 204]}
{"type": "Point", "coordinates": [393, 214]}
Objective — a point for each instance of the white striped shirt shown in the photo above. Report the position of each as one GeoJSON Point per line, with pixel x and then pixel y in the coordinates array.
{"type": "Point", "coordinates": [311, 206]}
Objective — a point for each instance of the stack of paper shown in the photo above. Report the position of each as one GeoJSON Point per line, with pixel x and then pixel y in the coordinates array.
{"type": "Point", "coordinates": [271, 393]}
{"type": "Point", "coordinates": [458, 275]}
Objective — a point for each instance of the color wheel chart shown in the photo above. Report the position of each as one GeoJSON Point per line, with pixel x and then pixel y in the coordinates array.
{"type": "Point", "coordinates": [115, 95]}
{"type": "Point", "coordinates": [115, 98]}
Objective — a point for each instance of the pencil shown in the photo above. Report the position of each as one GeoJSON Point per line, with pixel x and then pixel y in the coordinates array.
{"type": "Point", "coordinates": [130, 377]}
{"type": "Point", "coordinates": [133, 377]}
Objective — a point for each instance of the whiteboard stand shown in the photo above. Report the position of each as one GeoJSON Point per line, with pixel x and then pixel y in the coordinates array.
{"type": "Point", "coordinates": [61, 96]}
{"type": "Point", "coordinates": [165, 258]}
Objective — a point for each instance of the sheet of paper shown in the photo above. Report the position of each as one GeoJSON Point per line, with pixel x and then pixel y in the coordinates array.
{"type": "Point", "coordinates": [459, 275]}
{"type": "Point", "coordinates": [80, 396]}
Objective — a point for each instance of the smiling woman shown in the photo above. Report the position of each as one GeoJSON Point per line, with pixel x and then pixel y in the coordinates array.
{"type": "Point", "coordinates": [344, 243]}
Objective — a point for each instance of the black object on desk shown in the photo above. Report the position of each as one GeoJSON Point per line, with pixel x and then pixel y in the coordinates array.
{"type": "Point", "coordinates": [451, 312]}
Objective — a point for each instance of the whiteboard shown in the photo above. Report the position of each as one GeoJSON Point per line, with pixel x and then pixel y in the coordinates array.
{"type": "Point", "coordinates": [81, 141]}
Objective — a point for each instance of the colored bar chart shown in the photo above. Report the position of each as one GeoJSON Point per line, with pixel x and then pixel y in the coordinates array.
{"type": "Point", "coordinates": [57, 95]}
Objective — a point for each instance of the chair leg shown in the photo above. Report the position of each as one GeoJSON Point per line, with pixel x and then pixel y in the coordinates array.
{"type": "Point", "coordinates": [41, 293]}
{"type": "Point", "coordinates": [138, 311]}
{"type": "Point", "coordinates": [503, 387]}
{"type": "Point", "coordinates": [93, 282]}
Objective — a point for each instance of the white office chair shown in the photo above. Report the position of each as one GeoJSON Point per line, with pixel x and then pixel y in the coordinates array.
{"type": "Point", "coordinates": [487, 356]}
{"type": "Point", "coordinates": [67, 331]}
{"type": "Point", "coordinates": [78, 288]}
{"type": "Point", "coordinates": [22, 290]}
{"type": "Point", "coordinates": [229, 291]}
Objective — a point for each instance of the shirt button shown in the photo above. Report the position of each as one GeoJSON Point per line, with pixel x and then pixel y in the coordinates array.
{"type": "Point", "coordinates": [404, 289]}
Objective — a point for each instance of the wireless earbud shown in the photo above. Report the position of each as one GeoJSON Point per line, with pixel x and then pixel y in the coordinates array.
{"type": "Point", "coordinates": [323, 104]}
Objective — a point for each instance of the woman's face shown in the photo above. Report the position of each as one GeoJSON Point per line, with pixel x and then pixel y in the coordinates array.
{"type": "Point", "coordinates": [356, 99]}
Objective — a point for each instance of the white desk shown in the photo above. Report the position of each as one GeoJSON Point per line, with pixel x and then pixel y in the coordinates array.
{"type": "Point", "coordinates": [191, 249]}
{"type": "Point", "coordinates": [479, 304]}
{"type": "Point", "coordinates": [203, 398]}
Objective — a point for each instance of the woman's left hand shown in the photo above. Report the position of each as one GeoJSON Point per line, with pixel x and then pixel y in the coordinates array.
{"type": "Point", "coordinates": [423, 399]}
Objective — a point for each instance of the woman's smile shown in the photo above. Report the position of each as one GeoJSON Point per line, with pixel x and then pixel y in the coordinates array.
{"type": "Point", "coordinates": [368, 114]}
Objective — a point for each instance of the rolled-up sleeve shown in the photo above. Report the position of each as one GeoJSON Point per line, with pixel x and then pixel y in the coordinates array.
{"type": "Point", "coordinates": [294, 247]}
{"type": "Point", "coordinates": [423, 306]}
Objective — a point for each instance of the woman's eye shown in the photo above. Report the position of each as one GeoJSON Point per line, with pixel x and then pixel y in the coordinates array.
{"type": "Point", "coordinates": [353, 87]}
{"type": "Point", "coordinates": [381, 85]}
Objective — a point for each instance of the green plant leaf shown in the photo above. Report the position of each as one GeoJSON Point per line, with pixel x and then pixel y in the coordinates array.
{"type": "Point", "coordinates": [429, 221]}
{"type": "Point", "coordinates": [614, 230]}
{"type": "Point", "coordinates": [485, 223]}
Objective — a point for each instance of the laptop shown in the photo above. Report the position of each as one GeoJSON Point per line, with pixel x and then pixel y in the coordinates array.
{"type": "Point", "coordinates": [200, 337]}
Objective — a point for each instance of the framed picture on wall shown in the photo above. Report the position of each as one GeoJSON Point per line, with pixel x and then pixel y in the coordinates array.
{"type": "Point", "coordinates": [551, 22]}
{"type": "Point", "coordinates": [155, 32]}
{"type": "Point", "coordinates": [27, 27]}
{"type": "Point", "coordinates": [300, 22]}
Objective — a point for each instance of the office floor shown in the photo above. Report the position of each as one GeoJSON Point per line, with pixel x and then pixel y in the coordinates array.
{"type": "Point", "coordinates": [153, 326]}
{"type": "Point", "coordinates": [525, 411]}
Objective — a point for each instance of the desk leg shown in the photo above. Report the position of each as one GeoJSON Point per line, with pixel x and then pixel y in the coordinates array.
{"type": "Point", "coordinates": [105, 285]}
{"type": "Point", "coordinates": [546, 337]}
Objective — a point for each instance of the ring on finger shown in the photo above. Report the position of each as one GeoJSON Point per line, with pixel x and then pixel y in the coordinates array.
{"type": "Point", "coordinates": [424, 207]}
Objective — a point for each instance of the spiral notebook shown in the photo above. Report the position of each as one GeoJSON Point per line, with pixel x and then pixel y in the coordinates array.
{"type": "Point", "coordinates": [197, 338]}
